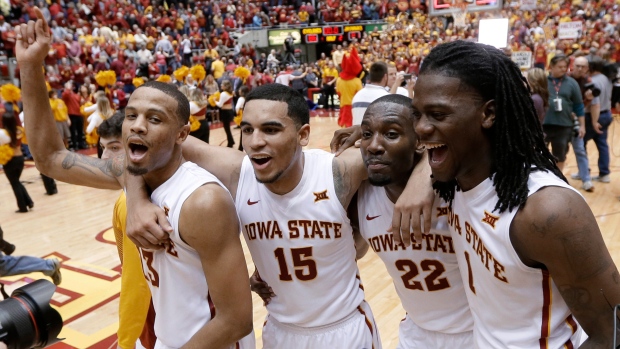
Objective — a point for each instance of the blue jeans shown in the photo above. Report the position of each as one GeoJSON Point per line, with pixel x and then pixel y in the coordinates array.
{"type": "Point", "coordinates": [600, 140]}
{"type": "Point", "coordinates": [10, 265]}
{"type": "Point", "coordinates": [582, 158]}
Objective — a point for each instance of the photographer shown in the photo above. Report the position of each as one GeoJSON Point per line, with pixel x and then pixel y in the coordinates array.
{"type": "Point", "coordinates": [599, 117]}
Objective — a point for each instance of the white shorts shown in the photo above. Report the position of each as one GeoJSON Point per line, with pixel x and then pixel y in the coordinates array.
{"type": "Point", "coordinates": [247, 342]}
{"type": "Point", "coordinates": [412, 336]}
{"type": "Point", "coordinates": [356, 331]}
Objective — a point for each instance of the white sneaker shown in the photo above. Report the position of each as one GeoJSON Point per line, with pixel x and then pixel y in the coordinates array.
{"type": "Point", "coordinates": [588, 186]}
{"type": "Point", "coordinates": [602, 179]}
{"type": "Point", "coordinates": [575, 176]}
{"type": "Point", "coordinates": [54, 273]}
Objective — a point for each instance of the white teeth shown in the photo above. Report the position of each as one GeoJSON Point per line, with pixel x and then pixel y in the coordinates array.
{"type": "Point", "coordinates": [261, 157]}
{"type": "Point", "coordinates": [432, 145]}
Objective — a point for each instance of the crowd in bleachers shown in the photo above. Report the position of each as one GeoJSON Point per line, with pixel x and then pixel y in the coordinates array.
{"type": "Point", "coordinates": [150, 39]}
{"type": "Point", "coordinates": [103, 50]}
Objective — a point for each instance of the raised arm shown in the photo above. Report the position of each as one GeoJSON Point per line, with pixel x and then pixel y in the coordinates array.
{"type": "Point", "coordinates": [224, 266]}
{"type": "Point", "coordinates": [51, 157]}
{"type": "Point", "coordinates": [556, 230]}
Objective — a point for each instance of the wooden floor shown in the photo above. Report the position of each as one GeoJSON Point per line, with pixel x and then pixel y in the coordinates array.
{"type": "Point", "coordinates": [74, 226]}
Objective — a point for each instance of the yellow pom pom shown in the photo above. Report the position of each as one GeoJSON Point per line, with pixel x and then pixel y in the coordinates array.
{"type": "Point", "coordinates": [181, 73]}
{"type": "Point", "coordinates": [198, 72]}
{"type": "Point", "coordinates": [49, 88]}
{"type": "Point", "coordinates": [213, 98]}
{"type": "Point", "coordinates": [111, 77]}
{"type": "Point", "coordinates": [6, 154]}
{"type": "Point", "coordinates": [242, 73]}
{"type": "Point", "coordinates": [238, 118]}
{"type": "Point", "coordinates": [137, 82]}
{"type": "Point", "coordinates": [10, 93]}
{"type": "Point", "coordinates": [164, 78]}
{"type": "Point", "coordinates": [92, 138]}
{"type": "Point", "coordinates": [105, 78]}
{"type": "Point", "coordinates": [194, 124]}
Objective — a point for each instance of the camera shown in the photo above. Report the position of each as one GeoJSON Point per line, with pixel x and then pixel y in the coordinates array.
{"type": "Point", "coordinates": [576, 127]}
{"type": "Point", "coordinates": [407, 77]}
{"type": "Point", "coordinates": [26, 318]}
{"type": "Point", "coordinates": [595, 90]}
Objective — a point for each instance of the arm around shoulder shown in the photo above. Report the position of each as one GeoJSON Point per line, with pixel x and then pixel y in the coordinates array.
{"type": "Point", "coordinates": [349, 172]}
{"type": "Point", "coordinates": [224, 163]}
{"type": "Point", "coordinates": [556, 230]}
{"type": "Point", "coordinates": [221, 255]}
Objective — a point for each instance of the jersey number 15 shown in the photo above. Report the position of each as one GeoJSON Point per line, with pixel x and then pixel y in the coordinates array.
{"type": "Point", "coordinates": [303, 264]}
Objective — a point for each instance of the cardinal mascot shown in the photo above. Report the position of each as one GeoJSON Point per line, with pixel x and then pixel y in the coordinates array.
{"type": "Point", "coordinates": [347, 85]}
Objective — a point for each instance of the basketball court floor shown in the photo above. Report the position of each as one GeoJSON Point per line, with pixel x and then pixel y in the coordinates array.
{"type": "Point", "coordinates": [75, 226]}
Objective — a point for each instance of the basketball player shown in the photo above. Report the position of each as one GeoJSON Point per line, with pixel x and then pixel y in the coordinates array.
{"type": "Point", "coordinates": [528, 246]}
{"type": "Point", "coordinates": [155, 126]}
{"type": "Point", "coordinates": [292, 209]}
{"type": "Point", "coordinates": [426, 275]}
{"type": "Point", "coordinates": [135, 297]}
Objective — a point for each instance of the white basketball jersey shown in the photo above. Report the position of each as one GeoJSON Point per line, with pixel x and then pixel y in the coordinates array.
{"type": "Point", "coordinates": [175, 276]}
{"type": "Point", "coordinates": [426, 275]}
{"type": "Point", "coordinates": [302, 244]}
{"type": "Point", "coordinates": [514, 306]}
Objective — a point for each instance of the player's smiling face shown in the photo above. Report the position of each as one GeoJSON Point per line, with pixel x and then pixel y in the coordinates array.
{"type": "Point", "coordinates": [388, 143]}
{"type": "Point", "coordinates": [150, 130]}
{"type": "Point", "coordinates": [452, 121]}
{"type": "Point", "coordinates": [271, 139]}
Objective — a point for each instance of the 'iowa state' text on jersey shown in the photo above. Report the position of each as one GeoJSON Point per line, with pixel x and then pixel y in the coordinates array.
{"type": "Point", "coordinates": [295, 229]}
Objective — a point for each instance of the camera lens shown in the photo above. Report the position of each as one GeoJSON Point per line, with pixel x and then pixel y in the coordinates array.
{"type": "Point", "coordinates": [26, 318]}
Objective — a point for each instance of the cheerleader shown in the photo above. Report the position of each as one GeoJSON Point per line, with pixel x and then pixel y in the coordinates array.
{"type": "Point", "coordinates": [243, 91]}
{"type": "Point", "coordinates": [227, 113]}
{"type": "Point", "coordinates": [198, 111]}
{"type": "Point", "coordinates": [101, 110]}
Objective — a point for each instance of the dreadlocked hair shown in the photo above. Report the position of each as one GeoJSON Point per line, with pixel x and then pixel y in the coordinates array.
{"type": "Point", "coordinates": [518, 147]}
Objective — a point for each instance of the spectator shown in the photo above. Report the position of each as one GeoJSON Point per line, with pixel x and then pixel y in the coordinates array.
{"type": "Point", "coordinates": [72, 101]}
{"type": "Point", "coordinates": [540, 94]}
{"type": "Point", "coordinates": [330, 74]}
{"type": "Point", "coordinates": [337, 56]}
{"type": "Point", "coordinates": [375, 88]}
{"type": "Point", "coordinates": [564, 100]}
{"type": "Point", "coordinates": [596, 127]}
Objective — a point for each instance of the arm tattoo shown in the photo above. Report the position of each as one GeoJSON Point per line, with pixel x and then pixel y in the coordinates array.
{"type": "Point", "coordinates": [341, 182]}
{"type": "Point", "coordinates": [113, 167]}
{"type": "Point", "coordinates": [579, 300]}
{"type": "Point", "coordinates": [542, 230]}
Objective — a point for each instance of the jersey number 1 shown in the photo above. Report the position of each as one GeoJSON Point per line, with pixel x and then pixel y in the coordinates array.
{"type": "Point", "coordinates": [303, 264]}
